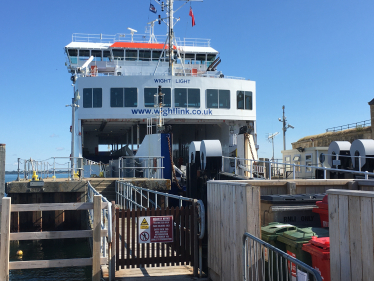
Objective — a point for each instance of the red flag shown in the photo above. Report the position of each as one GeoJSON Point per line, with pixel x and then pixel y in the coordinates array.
{"type": "Point", "coordinates": [192, 16]}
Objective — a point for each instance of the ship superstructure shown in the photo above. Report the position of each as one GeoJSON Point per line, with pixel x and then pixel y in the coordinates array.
{"type": "Point", "coordinates": [119, 76]}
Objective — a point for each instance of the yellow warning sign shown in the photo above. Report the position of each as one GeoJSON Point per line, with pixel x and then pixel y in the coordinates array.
{"type": "Point", "coordinates": [144, 224]}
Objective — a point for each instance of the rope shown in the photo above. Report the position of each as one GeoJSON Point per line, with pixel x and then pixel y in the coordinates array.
{"type": "Point", "coordinates": [172, 165]}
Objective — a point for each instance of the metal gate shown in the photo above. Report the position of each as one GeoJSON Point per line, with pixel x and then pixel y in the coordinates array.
{"type": "Point", "coordinates": [182, 251]}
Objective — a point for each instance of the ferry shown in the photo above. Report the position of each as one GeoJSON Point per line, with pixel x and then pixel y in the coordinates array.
{"type": "Point", "coordinates": [129, 87]}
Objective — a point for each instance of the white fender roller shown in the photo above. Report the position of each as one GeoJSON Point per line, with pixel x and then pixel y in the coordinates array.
{"type": "Point", "coordinates": [363, 148]}
{"type": "Point", "coordinates": [337, 147]}
{"type": "Point", "coordinates": [194, 147]}
{"type": "Point", "coordinates": [209, 148]}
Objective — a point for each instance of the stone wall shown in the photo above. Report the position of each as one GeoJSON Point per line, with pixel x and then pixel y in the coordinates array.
{"type": "Point", "coordinates": [326, 138]}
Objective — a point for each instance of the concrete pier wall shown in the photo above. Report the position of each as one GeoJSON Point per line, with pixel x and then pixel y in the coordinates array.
{"type": "Point", "coordinates": [2, 170]}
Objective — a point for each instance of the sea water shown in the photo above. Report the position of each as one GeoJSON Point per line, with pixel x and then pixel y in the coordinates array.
{"type": "Point", "coordinates": [50, 249]}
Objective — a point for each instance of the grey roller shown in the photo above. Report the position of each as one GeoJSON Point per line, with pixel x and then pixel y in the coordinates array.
{"type": "Point", "coordinates": [337, 147]}
{"type": "Point", "coordinates": [194, 147]}
{"type": "Point", "coordinates": [364, 147]}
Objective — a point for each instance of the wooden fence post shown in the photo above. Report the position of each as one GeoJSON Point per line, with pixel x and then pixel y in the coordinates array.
{"type": "Point", "coordinates": [196, 240]}
{"type": "Point", "coordinates": [112, 264]}
{"type": "Point", "coordinates": [5, 238]}
{"type": "Point", "coordinates": [96, 272]}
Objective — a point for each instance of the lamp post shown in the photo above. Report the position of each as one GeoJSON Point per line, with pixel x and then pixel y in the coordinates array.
{"type": "Point", "coordinates": [73, 106]}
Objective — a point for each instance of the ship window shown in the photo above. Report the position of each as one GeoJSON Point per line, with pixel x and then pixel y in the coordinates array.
{"type": "Point", "coordinates": [116, 97]}
{"type": "Point", "coordinates": [149, 97]}
{"type": "Point", "coordinates": [144, 55]}
{"type": "Point", "coordinates": [189, 56]}
{"type": "Point", "coordinates": [224, 99]}
{"type": "Point", "coordinates": [218, 98]}
{"type": "Point", "coordinates": [92, 97]}
{"type": "Point", "coordinates": [96, 54]}
{"type": "Point", "coordinates": [244, 100]}
{"type": "Point", "coordinates": [156, 55]}
{"type": "Point", "coordinates": [180, 97]}
{"type": "Point", "coordinates": [97, 100]}
{"type": "Point", "coordinates": [131, 97]}
{"type": "Point", "coordinates": [118, 54]}
{"type": "Point", "coordinates": [131, 55]}
{"type": "Point", "coordinates": [106, 56]}
{"type": "Point", "coordinates": [211, 58]}
{"type": "Point", "coordinates": [187, 97]}
{"type": "Point", "coordinates": [212, 98]}
{"type": "Point", "coordinates": [73, 53]}
{"type": "Point", "coordinates": [84, 54]}
{"type": "Point", "coordinates": [201, 58]}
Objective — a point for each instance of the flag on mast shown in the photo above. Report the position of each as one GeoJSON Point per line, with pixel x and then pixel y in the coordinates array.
{"type": "Point", "coordinates": [192, 16]}
{"type": "Point", "coordinates": [152, 8]}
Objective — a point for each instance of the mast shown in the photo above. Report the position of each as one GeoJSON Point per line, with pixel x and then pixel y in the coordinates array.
{"type": "Point", "coordinates": [171, 23]}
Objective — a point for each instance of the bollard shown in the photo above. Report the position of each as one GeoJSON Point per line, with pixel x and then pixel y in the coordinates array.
{"type": "Point", "coordinates": [2, 170]}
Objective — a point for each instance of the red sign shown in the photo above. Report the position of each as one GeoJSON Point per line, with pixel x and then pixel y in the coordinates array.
{"type": "Point", "coordinates": [161, 229]}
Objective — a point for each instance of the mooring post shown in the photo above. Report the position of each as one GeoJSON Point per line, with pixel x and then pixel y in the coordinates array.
{"type": "Point", "coordinates": [5, 238]}
{"type": "Point", "coordinates": [96, 272]}
{"type": "Point", "coordinates": [2, 170]}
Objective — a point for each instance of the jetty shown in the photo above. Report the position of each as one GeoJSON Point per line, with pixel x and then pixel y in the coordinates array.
{"type": "Point", "coordinates": [233, 209]}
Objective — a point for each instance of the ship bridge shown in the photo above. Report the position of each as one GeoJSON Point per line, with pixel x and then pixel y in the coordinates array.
{"type": "Point", "coordinates": [115, 55]}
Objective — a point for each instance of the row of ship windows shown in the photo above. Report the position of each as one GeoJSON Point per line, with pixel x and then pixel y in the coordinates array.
{"type": "Point", "coordinates": [133, 55]}
{"type": "Point", "coordinates": [183, 97]}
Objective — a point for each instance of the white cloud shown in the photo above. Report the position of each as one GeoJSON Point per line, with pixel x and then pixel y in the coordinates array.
{"type": "Point", "coordinates": [53, 136]}
{"type": "Point", "coordinates": [60, 148]}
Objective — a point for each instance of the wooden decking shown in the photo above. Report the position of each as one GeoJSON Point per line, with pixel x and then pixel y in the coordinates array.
{"type": "Point", "coordinates": [178, 273]}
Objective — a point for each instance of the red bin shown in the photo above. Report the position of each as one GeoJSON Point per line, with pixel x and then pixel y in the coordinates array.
{"type": "Point", "coordinates": [323, 211]}
{"type": "Point", "coordinates": [319, 248]}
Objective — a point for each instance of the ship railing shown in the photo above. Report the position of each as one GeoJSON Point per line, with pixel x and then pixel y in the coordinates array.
{"type": "Point", "coordinates": [70, 167]}
{"type": "Point", "coordinates": [242, 165]}
{"type": "Point", "coordinates": [141, 166]}
{"type": "Point", "coordinates": [262, 261]}
{"type": "Point", "coordinates": [137, 38]}
{"type": "Point", "coordinates": [106, 218]}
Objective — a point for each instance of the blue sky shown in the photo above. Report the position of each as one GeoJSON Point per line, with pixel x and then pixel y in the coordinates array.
{"type": "Point", "coordinates": [313, 56]}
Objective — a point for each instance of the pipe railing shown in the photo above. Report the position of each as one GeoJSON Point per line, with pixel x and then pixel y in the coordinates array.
{"type": "Point", "coordinates": [262, 261]}
{"type": "Point", "coordinates": [106, 217]}
{"type": "Point", "coordinates": [289, 167]}
{"type": "Point", "coordinates": [50, 166]}
{"type": "Point", "coordinates": [127, 197]}
{"type": "Point", "coordinates": [360, 124]}
{"type": "Point", "coordinates": [141, 166]}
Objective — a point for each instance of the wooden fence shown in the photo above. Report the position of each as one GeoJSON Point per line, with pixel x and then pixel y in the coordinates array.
{"type": "Point", "coordinates": [6, 236]}
{"type": "Point", "coordinates": [351, 235]}
{"type": "Point", "coordinates": [233, 209]}
{"type": "Point", "coordinates": [130, 253]}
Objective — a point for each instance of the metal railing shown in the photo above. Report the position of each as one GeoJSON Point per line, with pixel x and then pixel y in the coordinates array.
{"type": "Point", "coordinates": [242, 164]}
{"type": "Point", "coordinates": [262, 261]}
{"type": "Point", "coordinates": [129, 196]}
{"type": "Point", "coordinates": [48, 167]}
{"type": "Point", "coordinates": [106, 217]}
{"type": "Point", "coordinates": [360, 124]}
{"type": "Point", "coordinates": [139, 38]}
{"type": "Point", "coordinates": [141, 166]}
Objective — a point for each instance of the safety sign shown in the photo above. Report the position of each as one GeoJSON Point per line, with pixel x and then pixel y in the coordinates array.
{"type": "Point", "coordinates": [152, 229]}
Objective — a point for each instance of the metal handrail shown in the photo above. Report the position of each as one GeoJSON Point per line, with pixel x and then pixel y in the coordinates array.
{"type": "Point", "coordinates": [350, 126]}
{"type": "Point", "coordinates": [265, 249]}
{"type": "Point", "coordinates": [325, 169]}
{"type": "Point", "coordinates": [124, 196]}
{"type": "Point", "coordinates": [145, 167]}
{"type": "Point", "coordinates": [91, 191]}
